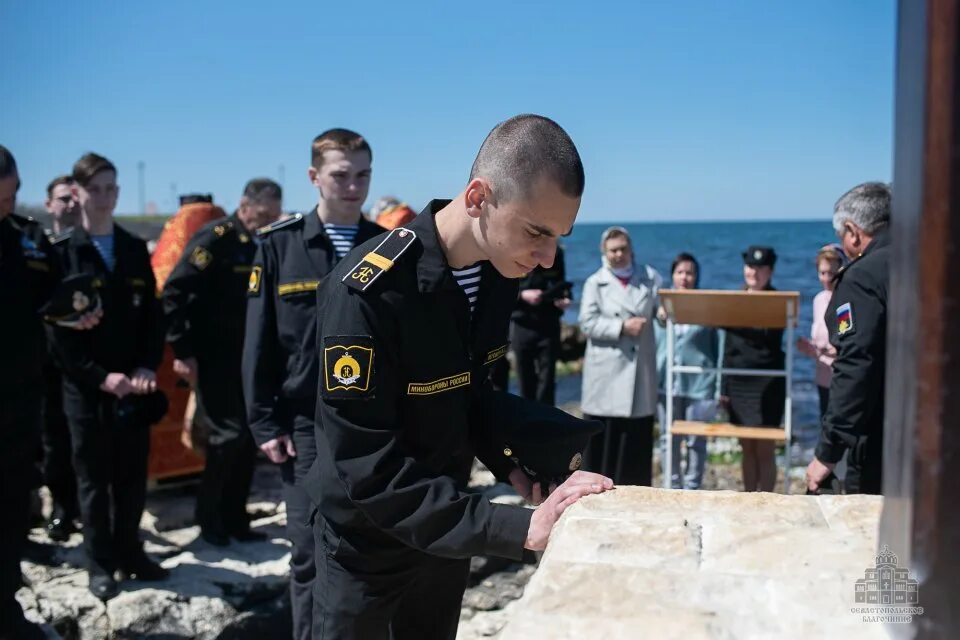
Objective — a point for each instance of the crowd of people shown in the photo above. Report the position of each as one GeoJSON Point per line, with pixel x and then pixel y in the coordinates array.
{"type": "Point", "coordinates": [367, 360]}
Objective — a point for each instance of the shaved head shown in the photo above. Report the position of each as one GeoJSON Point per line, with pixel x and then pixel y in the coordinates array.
{"type": "Point", "coordinates": [521, 150]}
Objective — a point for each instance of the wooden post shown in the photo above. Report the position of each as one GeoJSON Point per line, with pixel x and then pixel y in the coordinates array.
{"type": "Point", "coordinates": [921, 515]}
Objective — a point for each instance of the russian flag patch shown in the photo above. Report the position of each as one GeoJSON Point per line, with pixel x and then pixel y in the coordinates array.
{"type": "Point", "coordinates": [844, 319]}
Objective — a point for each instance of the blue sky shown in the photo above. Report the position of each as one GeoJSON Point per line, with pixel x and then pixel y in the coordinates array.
{"type": "Point", "coordinates": [681, 110]}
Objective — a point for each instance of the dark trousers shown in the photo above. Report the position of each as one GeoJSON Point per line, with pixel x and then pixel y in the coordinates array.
{"type": "Point", "coordinates": [225, 485]}
{"type": "Point", "coordinates": [111, 464]}
{"type": "Point", "coordinates": [299, 530]}
{"type": "Point", "coordinates": [58, 473]}
{"type": "Point", "coordinates": [19, 433]}
{"type": "Point", "coordinates": [359, 596]}
{"type": "Point", "coordinates": [535, 353]}
{"type": "Point", "coordinates": [623, 451]}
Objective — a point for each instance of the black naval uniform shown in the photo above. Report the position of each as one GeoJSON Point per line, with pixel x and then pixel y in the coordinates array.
{"type": "Point", "coordinates": [279, 379]}
{"type": "Point", "coordinates": [856, 319]}
{"type": "Point", "coordinates": [109, 454]}
{"type": "Point", "coordinates": [400, 417]}
{"type": "Point", "coordinates": [204, 302]}
{"type": "Point", "coordinates": [58, 473]}
{"type": "Point", "coordinates": [28, 275]}
{"type": "Point", "coordinates": [535, 334]}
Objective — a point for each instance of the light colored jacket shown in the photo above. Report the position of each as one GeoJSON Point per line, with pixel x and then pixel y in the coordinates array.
{"type": "Point", "coordinates": [619, 372]}
{"type": "Point", "coordinates": [694, 346]}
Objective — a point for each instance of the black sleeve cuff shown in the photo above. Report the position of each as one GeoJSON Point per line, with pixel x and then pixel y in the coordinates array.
{"type": "Point", "coordinates": [829, 453]}
{"type": "Point", "coordinates": [507, 531]}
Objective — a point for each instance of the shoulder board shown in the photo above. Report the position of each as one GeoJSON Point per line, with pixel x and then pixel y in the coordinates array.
{"type": "Point", "coordinates": [380, 260]}
{"type": "Point", "coordinates": [62, 237]}
{"type": "Point", "coordinates": [222, 228]}
{"type": "Point", "coordinates": [290, 221]}
{"type": "Point", "coordinates": [24, 221]}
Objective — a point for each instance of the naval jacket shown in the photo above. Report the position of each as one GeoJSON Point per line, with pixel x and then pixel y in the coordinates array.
{"type": "Point", "coordinates": [294, 256]}
{"type": "Point", "coordinates": [856, 319]}
{"type": "Point", "coordinates": [400, 420]}
{"type": "Point", "coordinates": [28, 275]}
{"type": "Point", "coordinates": [130, 333]}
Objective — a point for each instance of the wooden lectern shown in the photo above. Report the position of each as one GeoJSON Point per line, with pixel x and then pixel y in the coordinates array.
{"type": "Point", "coordinates": [758, 310]}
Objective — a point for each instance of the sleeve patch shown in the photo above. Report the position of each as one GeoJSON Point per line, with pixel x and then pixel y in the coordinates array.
{"type": "Point", "coordinates": [201, 258]}
{"type": "Point", "coordinates": [347, 367]}
{"type": "Point", "coordinates": [253, 284]}
{"type": "Point", "coordinates": [845, 319]}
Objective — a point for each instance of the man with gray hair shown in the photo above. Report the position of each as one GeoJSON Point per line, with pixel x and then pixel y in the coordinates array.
{"type": "Point", "coordinates": [857, 321]}
{"type": "Point", "coordinates": [205, 303]}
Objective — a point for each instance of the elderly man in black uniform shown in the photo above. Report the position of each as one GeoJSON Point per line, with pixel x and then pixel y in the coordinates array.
{"type": "Point", "coordinates": [857, 321]}
{"type": "Point", "coordinates": [406, 340]}
{"type": "Point", "coordinates": [280, 383]}
{"type": "Point", "coordinates": [104, 370]}
{"type": "Point", "coordinates": [535, 329]}
{"type": "Point", "coordinates": [28, 276]}
{"type": "Point", "coordinates": [205, 303]}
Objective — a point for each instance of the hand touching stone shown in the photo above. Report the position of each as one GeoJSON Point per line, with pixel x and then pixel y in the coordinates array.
{"type": "Point", "coordinates": [580, 484]}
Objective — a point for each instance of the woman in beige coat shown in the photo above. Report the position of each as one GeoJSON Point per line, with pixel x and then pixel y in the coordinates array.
{"type": "Point", "coordinates": [620, 366]}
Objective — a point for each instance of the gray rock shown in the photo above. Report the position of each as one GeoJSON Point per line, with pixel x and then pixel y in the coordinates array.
{"type": "Point", "coordinates": [233, 592]}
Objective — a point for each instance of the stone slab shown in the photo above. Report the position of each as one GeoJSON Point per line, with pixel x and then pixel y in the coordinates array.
{"type": "Point", "coordinates": [641, 562]}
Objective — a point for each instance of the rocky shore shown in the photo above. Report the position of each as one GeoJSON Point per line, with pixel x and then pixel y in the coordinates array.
{"type": "Point", "coordinates": [240, 591]}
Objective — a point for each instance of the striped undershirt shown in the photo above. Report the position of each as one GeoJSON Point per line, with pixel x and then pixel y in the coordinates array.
{"type": "Point", "coordinates": [469, 280]}
{"type": "Point", "coordinates": [342, 237]}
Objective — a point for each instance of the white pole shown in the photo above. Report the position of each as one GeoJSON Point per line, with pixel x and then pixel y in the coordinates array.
{"type": "Point", "coordinates": [788, 408]}
{"type": "Point", "coordinates": [668, 410]}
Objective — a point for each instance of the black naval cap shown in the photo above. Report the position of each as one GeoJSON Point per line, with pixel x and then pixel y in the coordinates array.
{"type": "Point", "coordinates": [73, 297]}
{"type": "Point", "coordinates": [545, 442]}
{"type": "Point", "coordinates": [757, 256]}
{"type": "Point", "coordinates": [195, 198]}
{"type": "Point", "coordinates": [133, 410]}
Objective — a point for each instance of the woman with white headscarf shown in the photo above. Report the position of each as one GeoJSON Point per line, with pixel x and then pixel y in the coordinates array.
{"type": "Point", "coordinates": [619, 369]}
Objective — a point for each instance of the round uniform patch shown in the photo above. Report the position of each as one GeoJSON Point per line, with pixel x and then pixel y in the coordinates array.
{"type": "Point", "coordinates": [575, 461]}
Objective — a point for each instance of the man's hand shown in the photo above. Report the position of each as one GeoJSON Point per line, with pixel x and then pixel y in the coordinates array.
{"type": "Point", "coordinates": [563, 303]}
{"type": "Point", "coordinates": [116, 383]}
{"type": "Point", "coordinates": [143, 381]}
{"type": "Point", "coordinates": [633, 326]}
{"type": "Point", "coordinates": [186, 369]}
{"type": "Point", "coordinates": [279, 449]}
{"type": "Point", "coordinates": [817, 472]}
{"type": "Point", "coordinates": [532, 296]}
{"type": "Point", "coordinates": [580, 484]}
{"type": "Point", "coordinates": [89, 320]}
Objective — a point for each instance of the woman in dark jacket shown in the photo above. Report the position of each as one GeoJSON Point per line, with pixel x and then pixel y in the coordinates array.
{"type": "Point", "coordinates": [756, 400]}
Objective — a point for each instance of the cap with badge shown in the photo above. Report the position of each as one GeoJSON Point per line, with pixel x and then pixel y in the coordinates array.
{"type": "Point", "coordinates": [73, 297]}
{"type": "Point", "coordinates": [758, 256]}
{"type": "Point", "coordinates": [546, 443]}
